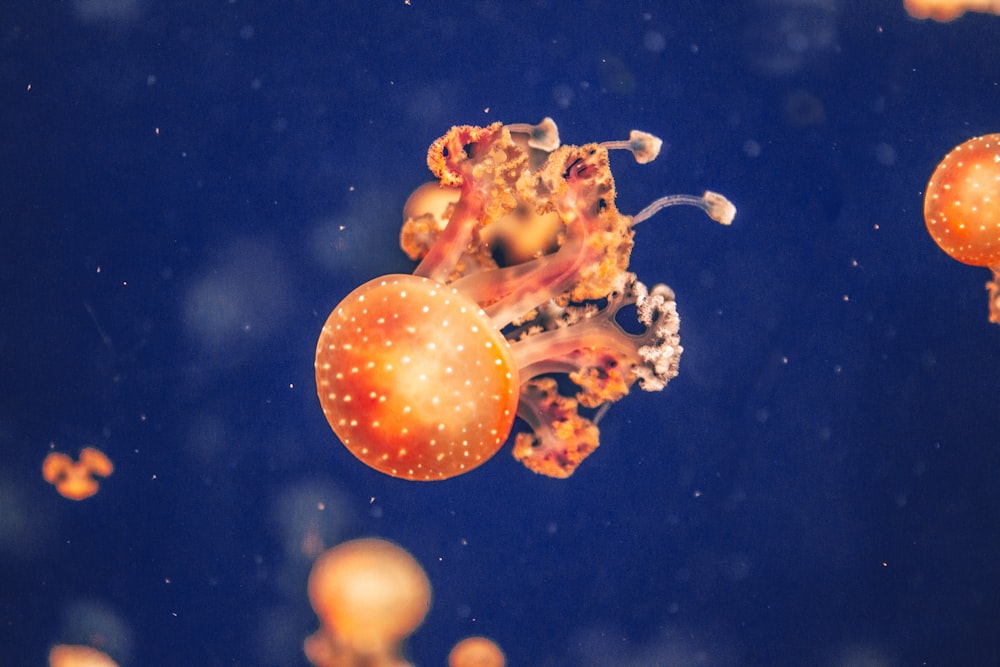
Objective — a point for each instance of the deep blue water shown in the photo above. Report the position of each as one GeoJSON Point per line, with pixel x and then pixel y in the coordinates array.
{"type": "Point", "coordinates": [188, 188]}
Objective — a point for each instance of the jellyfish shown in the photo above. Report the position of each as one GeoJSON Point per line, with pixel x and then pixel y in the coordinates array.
{"type": "Point", "coordinates": [962, 208]}
{"type": "Point", "coordinates": [75, 480]}
{"type": "Point", "coordinates": [78, 655]}
{"type": "Point", "coordinates": [476, 652]}
{"type": "Point", "coordinates": [947, 10]}
{"type": "Point", "coordinates": [522, 278]}
{"type": "Point", "coordinates": [369, 595]}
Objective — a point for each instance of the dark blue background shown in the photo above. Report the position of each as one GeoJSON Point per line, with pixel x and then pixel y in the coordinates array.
{"type": "Point", "coordinates": [189, 188]}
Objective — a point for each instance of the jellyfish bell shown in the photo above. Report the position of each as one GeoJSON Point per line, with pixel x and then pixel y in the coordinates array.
{"type": "Point", "coordinates": [73, 655]}
{"type": "Point", "coordinates": [415, 380]}
{"type": "Point", "coordinates": [476, 652]}
{"type": "Point", "coordinates": [962, 202]}
{"type": "Point", "coordinates": [948, 10]}
{"type": "Point", "coordinates": [369, 594]}
{"type": "Point", "coordinates": [962, 208]}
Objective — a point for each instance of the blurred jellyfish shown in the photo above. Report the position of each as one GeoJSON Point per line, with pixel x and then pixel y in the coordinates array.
{"type": "Point", "coordinates": [946, 10]}
{"type": "Point", "coordinates": [70, 655]}
{"type": "Point", "coordinates": [25, 531]}
{"type": "Point", "coordinates": [94, 624]}
{"type": "Point", "coordinates": [563, 96]}
{"type": "Point", "coordinates": [803, 109]}
{"type": "Point", "coordinates": [654, 41]}
{"type": "Point", "coordinates": [476, 652]}
{"type": "Point", "coordinates": [242, 296]}
{"type": "Point", "coordinates": [207, 438]}
{"type": "Point", "coordinates": [306, 518]}
{"type": "Point", "coordinates": [431, 104]}
{"type": "Point", "coordinates": [675, 646]}
{"type": "Point", "coordinates": [311, 517]}
{"type": "Point", "coordinates": [342, 244]}
{"type": "Point", "coordinates": [76, 480]}
{"type": "Point", "coordinates": [782, 37]}
{"type": "Point", "coordinates": [615, 75]}
{"type": "Point", "coordinates": [115, 12]}
{"type": "Point", "coordinates": [369, 595]}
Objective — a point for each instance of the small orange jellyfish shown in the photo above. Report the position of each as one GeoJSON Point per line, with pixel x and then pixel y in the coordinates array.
{"type": "Point", "coordinates": [369, 595]}
{"type": "Point", "coordinates": [946, 10]}
{"type": "Point", "coordinates": [75, 479]}
{"type": "Point", "coordinates": [962, 208]}
{"type": "Point", "coordinates": [73, 655]}
{"type": "Point", "coordinates": [523, 274]}
{"type": "Point", "coordinates": [476, 652]}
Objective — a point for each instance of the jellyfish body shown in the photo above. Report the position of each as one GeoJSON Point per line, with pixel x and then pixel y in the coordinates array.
{"type": "Point", "coordinates": [947, 10]}
{"type": "Point", "coordinates": [415, 380]}
{"type": "Point", "coordinates": [369, 595]}
{"type": "Point", "coordinates": [523, 271]}
{"type": "Point", "coordinates": [962, 207]}
{"type": "Point", "coordinates": [78, 655]}
{"type": "Point", "coordinates": [76, 480]}
{"type": "Point", "coordinates": [476, 652]}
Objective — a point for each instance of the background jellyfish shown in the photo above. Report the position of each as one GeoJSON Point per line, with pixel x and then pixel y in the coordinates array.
{"type": "Point", "coordinates": [77, 480]}
{"type": "Point", "coordinates": [948, 10]}
{"type": "Point", "coordinates": [962, 208]}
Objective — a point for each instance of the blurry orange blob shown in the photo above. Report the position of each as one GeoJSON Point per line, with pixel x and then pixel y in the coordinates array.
{"type": "Point", "coordinates": [75, 479]}
{"type": "Point", "coordinates": [369, 595]}
{"type": "Point", "coordinates": [946, 10]}
{"type": "Point", "coordinates": [476, 652]}
{"type": "Point", "coordinates": [68, 655]}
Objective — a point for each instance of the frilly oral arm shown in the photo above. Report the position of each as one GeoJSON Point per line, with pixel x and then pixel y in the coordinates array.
{"type": "Point", "coordinates": [599, 354]}
{"type": "Point", "coordinates": [560, 439]}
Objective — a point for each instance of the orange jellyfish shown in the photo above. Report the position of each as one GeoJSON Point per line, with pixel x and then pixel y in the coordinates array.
{"type": "Point", "coordinates": [523, 274]}
{"type": "Point", "coordinates": [476, 652]}
{"type": "Point", "coordinates": [962, 208]}
{"type": "Point", "coordinates": [369, 595]}
{"type": "Point", "coordinates": [76, 479]}
{"type": "Point", "coordinates": [74, 655]}
{"type": "Point", "coordinates": [946, 10]}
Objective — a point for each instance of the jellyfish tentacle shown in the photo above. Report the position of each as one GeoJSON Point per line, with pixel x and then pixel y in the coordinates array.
{"type": "Point", "coordinates": [714, 205]}
{"type": "Point", "coordinates": [485, 163]}
{"type": "Point", "coordinates": [603, 358]}
{"type": "Point", "coordinates": [560, 438]}
{"type": "Point", "coordinates": [576, 183]}
{"type": "Point", "coordinates": [993, 287]}
{"type": "Point", "coordinates": [644, 146]}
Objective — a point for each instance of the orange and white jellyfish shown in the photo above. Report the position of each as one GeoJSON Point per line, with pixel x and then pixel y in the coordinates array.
{"type": "Point", "coordinates": [369, 595]}
{"type": "Point", "coordinates": [947, 10]}
{"type": "Point", "coordinates": [962, 208]}
{"type": "Point", "coordinates": [76, 480]}
{"type": "Point", "coordinates": [523, 273]}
